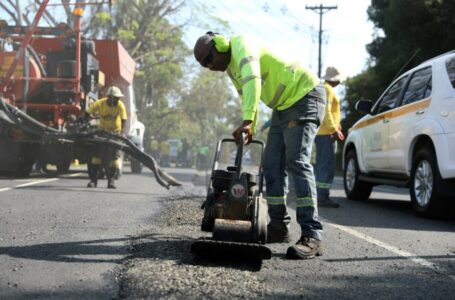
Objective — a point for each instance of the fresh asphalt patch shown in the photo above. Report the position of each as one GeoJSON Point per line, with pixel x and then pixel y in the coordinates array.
{"type": "Point", "coordinates": [161, 265]}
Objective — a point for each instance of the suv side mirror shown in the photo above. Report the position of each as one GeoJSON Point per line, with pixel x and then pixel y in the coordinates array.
{"type": "Point", "coordinates": [363, 106]}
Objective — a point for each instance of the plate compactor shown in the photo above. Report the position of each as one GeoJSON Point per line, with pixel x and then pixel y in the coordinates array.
{"type": "Point", "coordinates": [234, 210]}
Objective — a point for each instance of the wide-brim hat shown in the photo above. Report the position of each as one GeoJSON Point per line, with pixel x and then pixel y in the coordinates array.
{"type": "Point", "coordinates": [115, 92]}
{"type": "Point", "coordinates": [332, 74]}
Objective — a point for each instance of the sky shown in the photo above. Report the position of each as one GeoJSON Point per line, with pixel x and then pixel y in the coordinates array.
{"type": "Point", "coordinates": [291, 30]}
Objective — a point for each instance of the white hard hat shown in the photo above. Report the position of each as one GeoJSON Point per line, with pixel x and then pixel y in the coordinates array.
{"type": "Point", "coordinates": [115, 92]}
{"type": "Point", "coordinates": [332, 74]}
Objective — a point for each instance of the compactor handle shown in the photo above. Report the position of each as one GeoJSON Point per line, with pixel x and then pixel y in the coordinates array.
{"type": "Point", "coordinates": [239, 156]}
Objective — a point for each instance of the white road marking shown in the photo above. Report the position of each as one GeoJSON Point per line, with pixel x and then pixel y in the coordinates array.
{"type": "Point", "coordinates": [411, 256]}
{"type": "Point", "coordinates": [36, 182]}
{"type": "Point", "coordinates": [75, 174]}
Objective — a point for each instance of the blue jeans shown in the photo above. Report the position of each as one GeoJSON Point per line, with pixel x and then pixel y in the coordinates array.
{"type": "Point", "coordinates": [289, 143]}
{"type": "Point", "coordinates": [325, 164]}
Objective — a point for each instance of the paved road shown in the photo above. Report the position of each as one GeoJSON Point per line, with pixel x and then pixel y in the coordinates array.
{"type": "Point", "coordinates": [379, 249]}
{"type": "Point", "coordinates": [60, 240]}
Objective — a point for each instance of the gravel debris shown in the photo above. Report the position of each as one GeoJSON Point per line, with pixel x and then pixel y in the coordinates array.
{"type": "Point", "coordinates": [162, 267]}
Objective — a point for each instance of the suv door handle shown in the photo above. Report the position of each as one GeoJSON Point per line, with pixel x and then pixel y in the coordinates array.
{"type": "Point", "coordinates": [385, 121]}
{"type": "Point", "coordinates": [420, 112]}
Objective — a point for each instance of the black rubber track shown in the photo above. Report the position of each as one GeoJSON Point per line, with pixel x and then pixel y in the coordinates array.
{"type": "Point", "coordinates": [208, 248]}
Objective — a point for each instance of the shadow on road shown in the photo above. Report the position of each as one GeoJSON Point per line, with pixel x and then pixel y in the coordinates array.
{"type": "Point", "coordinates": [385, 213]}
{"type": "Point", "coordinates": [61, 293]}
{"type": "Point", "coordinates": [97, 251]}
{"type": "Point", "coordinates": [177, 248]}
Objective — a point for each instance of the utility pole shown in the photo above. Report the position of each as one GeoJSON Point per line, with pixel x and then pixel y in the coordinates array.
{"type": "Point", "coordinates": [321, 10]}
{"type": "Point", "coordinates": [19, 12]}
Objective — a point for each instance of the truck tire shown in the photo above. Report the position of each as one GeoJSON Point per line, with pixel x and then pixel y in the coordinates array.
{"type": "Point", "coordinates": [354, 188]}
{"type": "Point", "coordinates": [425, 180]}
{"type": "Point", "coordinates": [24, 168]}
{"type": "Point", "coordinates": [25, 161]}
{"type": "Point", "coordinates": [136, 166]}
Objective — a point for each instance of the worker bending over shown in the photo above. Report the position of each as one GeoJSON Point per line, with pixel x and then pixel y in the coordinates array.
{"type": "Point", "coordinates": [298, 102]}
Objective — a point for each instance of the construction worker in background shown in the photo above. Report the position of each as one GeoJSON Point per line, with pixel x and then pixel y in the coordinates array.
{"type": "Point", "coordinates": [112, 114]}
{"type": "Point", "coordinates": [326, 140]}
{"type": "Point", "coordinates": [184, 153]}
{"type": "Point", "coordinates": [155, 148]}
{"type": "Point", "coordinates": [165, 150]}
{"type": "Point", "coordinates": [298, 102]}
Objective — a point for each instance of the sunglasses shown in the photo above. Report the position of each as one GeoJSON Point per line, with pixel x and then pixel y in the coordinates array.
{"type": "Point", "coordinates": [208, 58]}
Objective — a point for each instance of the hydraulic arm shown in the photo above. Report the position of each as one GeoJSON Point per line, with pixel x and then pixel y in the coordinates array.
{"type": "Point", "coordinates": [82, 132]}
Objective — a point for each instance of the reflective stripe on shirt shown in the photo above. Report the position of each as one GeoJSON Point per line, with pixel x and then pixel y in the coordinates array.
{"type": "Point", "coordinates": [276, 97]}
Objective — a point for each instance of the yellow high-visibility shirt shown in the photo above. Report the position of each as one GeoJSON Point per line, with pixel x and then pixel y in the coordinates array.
{"type": "Point", "coordinates": [110, 116]}
{"type": "Point", "coordinates": [258, 74]}
{"type": "Point", "coordinates": [332, 117]}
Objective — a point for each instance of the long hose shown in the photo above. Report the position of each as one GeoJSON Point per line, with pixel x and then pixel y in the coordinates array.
{"type": "Point", "coordinates": [84, 133]}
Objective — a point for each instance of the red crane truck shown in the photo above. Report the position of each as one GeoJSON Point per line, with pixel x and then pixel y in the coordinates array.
{"type": "Point", "coordinates": [54, 74]}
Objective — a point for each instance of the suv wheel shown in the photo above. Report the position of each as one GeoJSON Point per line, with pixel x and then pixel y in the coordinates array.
{"type": "Point", "coordinates": [353, 187]}
{"type": "Point", "coordinates": [425, 178]}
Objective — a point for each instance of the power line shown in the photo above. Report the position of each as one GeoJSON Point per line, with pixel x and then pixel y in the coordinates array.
{"type": "Point", "coordinates": [286, 12]}
{"type": "Point", "coordinates": [321, 10]}
{"type": "Point", "coordinates": [271, 16]}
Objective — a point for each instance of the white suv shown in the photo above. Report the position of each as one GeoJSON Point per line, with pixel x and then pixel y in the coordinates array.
{"type": "Point", "coordinates": [407, 138]}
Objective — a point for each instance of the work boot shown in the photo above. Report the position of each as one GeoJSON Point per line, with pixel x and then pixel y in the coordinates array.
{"type": "Point", "coordinates": [110, 184]}
{"type": "Point", "coordinates": [327, 202]}
{"type": "Point", "coordinates": [305, 248]}
{"type": "Point", "coordinates": [277, 235]}
{"type": "Point", "coordinates": [93, 174]}
{"type": "Point", "coordinates": [92, 184]}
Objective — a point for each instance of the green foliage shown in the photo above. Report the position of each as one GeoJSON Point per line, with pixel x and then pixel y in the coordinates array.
{"type": "Point", "coordinates": [157, 46]}
{"type": "Point", "coordinates": [414, 31]}
{"type": "Point", "coordinates": [408, 32]}
{"type": "Point", "coordinates": [103, 17]}
{"type": "Point", "coordinates": [210, 106]}
{"type": "Point", "coordinates": [359, 88]}
{"type": "Point", "coordinates": [174, 99]}
{"type": "Point", "coordinates": [126, 35]}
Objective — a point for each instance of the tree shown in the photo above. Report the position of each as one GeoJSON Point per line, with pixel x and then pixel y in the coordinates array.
{"type": "Point", "coordinates": [408, 32]}
{"type": "Point", "coordinates": [359, 88]}
{"type": "Point", "coordinates": [210, 107]}
{"type": "Point", "coordinates": [414, 31]}
{"type": "Point", "coordinates": [23, 12]}
{"type": "Point", "coordinates": [164, 63]}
